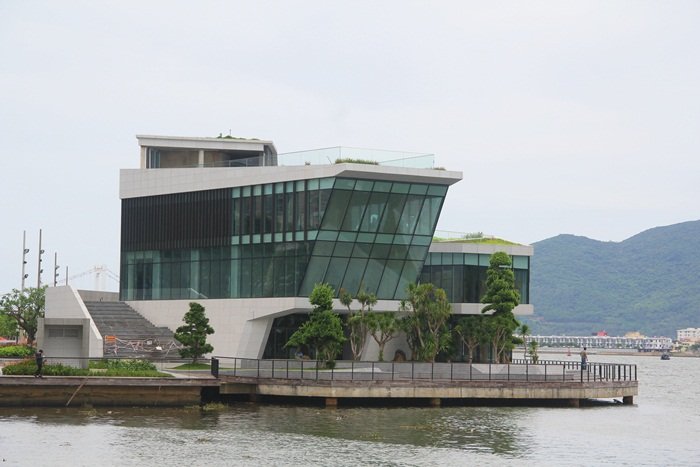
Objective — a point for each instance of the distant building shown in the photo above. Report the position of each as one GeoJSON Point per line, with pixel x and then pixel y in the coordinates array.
{"type": "Point", "coordinates": [691, 335]}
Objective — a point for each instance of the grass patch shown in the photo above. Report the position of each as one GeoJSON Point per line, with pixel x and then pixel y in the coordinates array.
{"type": "Point", "coordinates": [486, 241]}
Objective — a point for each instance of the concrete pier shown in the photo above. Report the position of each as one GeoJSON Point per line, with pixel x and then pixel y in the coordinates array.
{"type": "Point", "coordinates": [569, 392]}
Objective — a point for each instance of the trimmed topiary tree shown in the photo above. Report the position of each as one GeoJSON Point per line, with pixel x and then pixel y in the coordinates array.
{"type": "Point", "coordinates": [324, 330]}
{"type": "Point", "coordinates": [193, 335]}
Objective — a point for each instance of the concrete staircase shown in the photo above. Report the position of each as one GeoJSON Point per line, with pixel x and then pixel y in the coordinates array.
{"type": "Point", "coordinates": [128, 334]}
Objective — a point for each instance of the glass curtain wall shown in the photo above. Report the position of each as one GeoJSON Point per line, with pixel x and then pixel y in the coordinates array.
{"type": "Point", "coordinates": [278, 239]}
{"type": "Point", "coordinates": [463, 275]}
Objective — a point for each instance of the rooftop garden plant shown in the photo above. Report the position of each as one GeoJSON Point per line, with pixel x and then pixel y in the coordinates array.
{"type": "Point", "coordinates": [350, 160]}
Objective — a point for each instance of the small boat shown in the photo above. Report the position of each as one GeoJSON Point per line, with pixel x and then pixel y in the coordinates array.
{"type": "Point", "coordinates": [665, 356]}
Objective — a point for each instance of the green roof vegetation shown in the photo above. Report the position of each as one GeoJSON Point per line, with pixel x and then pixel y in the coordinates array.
{"type": "Point", "coordinates": [350, 160]}
{"type": "Point", "coordinates": [236, 137]}
{"type": "Point", "coordinates": [481, 240]}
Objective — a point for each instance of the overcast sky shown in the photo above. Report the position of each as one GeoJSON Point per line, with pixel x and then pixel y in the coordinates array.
{"type": "Point", "coordinates": [565, 117]}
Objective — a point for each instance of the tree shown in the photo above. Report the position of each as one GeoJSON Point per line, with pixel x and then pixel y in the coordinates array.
{"type": "Point", "coordinates": [383, 328]}
{"type": "Point", "coordinates": [533, 345]}
{"type": "Point", "coordinates": [425, 322]}
{"type": "Point", "coordinates": [324, 329]}
{"type": "Point", "coordinates": [472, 332]}
{"type": "Point", "coordinates": [524, 332]}
{"type": "Point", "coordinates": [501, 298]}
{"type": "Point", "coordinates": [8, 326]}
{"type": "Point", "coordinates": [499, 330]}
{"type": "Point", "coordinates": [25, 307]}
{"type": "Point", "coordinates": [356, 322]}
{"type": "Point", "coordinates": [193, 335]}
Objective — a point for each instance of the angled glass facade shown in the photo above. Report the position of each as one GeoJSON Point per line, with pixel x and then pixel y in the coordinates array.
{"type": "Point", "coordinates": [463, 275]}
{"type": "Point", "coordinates": [278, 239]}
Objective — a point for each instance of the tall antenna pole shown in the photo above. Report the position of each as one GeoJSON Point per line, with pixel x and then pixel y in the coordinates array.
{"type": "Point", "coordinates": [39, 270]}
{"type": "Point", "coordinates": [25, 250]}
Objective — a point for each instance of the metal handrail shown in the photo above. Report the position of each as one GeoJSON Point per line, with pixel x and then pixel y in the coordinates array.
{"type": "Point", "coordinates": [544, 371]}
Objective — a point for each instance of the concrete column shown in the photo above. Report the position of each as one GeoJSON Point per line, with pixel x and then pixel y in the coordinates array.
{"type": "Point", "coordinates": [201, 157]}
{"type": "Point", "coordinates": [331, 402]}
{"type": "Point", "coordinates": [628, 400]}
{"type": "Point", "coordinates": [435, 402]}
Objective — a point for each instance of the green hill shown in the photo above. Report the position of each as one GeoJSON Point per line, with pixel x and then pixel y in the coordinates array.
{"type": "Point", "coordinates": [648, 283]}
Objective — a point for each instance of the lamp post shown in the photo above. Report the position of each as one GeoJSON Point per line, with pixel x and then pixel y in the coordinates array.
{"type": "Point", "coordinates": [25, 250]}
{"type": "Point", "coordinates": [55, 268]}
{"type": "Point", "coordinates": [39, 269]}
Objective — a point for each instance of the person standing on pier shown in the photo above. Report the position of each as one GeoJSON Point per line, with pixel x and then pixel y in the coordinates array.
{"type": "Point", "coordinates": [584, 359]}
{"type": "Point", "coordinates": [39, 363]}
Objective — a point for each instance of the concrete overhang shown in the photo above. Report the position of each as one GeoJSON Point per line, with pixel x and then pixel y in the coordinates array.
{"type": "Point", "coordinates": [136, 183]}
{"type": "Point", "coordinates": [219, 144]}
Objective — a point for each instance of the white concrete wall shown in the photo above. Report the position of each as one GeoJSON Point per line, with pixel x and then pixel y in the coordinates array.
{"type": "Point", "coordinates": [98, 296]}
{"type": "Point", "coordinates": [240, 326]}
{"type": "Point", "coordinates": [64, 302]}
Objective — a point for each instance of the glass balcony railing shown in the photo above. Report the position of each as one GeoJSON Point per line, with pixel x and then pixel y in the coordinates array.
{"type": "Point", "coordinates": [339, 154]}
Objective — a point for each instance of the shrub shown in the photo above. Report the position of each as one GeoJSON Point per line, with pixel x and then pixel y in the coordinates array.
{"type": "Point", "coordinates": [28, 367]}
{"type": "Point", "coordinates": [138, 369]}
{"type": "Point", "coordinates": [351, 160]}
{"type": "Point", "coordinates": [20, 351]}
{"type": "Point", "coordinates": [123, 364]}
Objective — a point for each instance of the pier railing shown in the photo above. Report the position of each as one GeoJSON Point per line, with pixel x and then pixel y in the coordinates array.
{"type": "Point", "coordinates": [412, 371]}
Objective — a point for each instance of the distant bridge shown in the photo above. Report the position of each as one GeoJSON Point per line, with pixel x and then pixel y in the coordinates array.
{"type": "Point", "coordinates": [646, 344]}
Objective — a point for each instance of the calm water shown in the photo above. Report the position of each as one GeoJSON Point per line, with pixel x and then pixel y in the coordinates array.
{"type": "Point", "coordinates": [662, 428]}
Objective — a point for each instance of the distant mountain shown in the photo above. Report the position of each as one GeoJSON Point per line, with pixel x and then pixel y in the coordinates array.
{"type": "Point", "coordinates": [648, 283]}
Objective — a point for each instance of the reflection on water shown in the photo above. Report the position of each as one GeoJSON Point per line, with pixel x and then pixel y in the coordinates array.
{"type": "Point", "coordinates": [661, 429]}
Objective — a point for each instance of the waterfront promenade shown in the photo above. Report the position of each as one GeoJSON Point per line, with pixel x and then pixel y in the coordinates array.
{"type": "Point", "coordinates": [544, 382]}
{"type": "Point", "coordinates": [548, 382]}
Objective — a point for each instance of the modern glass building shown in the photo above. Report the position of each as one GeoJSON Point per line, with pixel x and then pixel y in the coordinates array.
{"type": "Point", "coordinates": [247, 233]}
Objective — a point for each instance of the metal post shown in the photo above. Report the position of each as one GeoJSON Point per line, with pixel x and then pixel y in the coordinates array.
{"type": "Point", "coordinates": [302, 369]}
{"type": "Point", "coordinates": [273, 368]}
{"type": "Point", "coordinates": [38, 264]}
{"type": "Point", "coordinates": [432, 371]}
{"type": "Point", "coordinates": [392, 371]}
{"type": "Point", "coordinates": [412, 365]}
{"type": "Point", "coordinates": [451, 370]}
{"type": "Point", "coordinates": [55, 268]}
{"type": "Point", "coordinates": [372, 371]}
{"type": "Point", "coordinates": [352, 370]}
{"type": "Point", "coordinates": [545, 371]}
{"type": "Point", "coordinates": [258, 368]}
{"type": "Point", "coordinates": [25, 250]}
{"type": "Point", "coordinates": [508, 372]}
{"type": "Point", "coordinates": [235, 364]}
{"type": "Point", "coordinates": [470, 371]}
{"type": "Point", "coordinates": [489, 371]}
{"type": "Point", "coordinates": [287, 376]}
